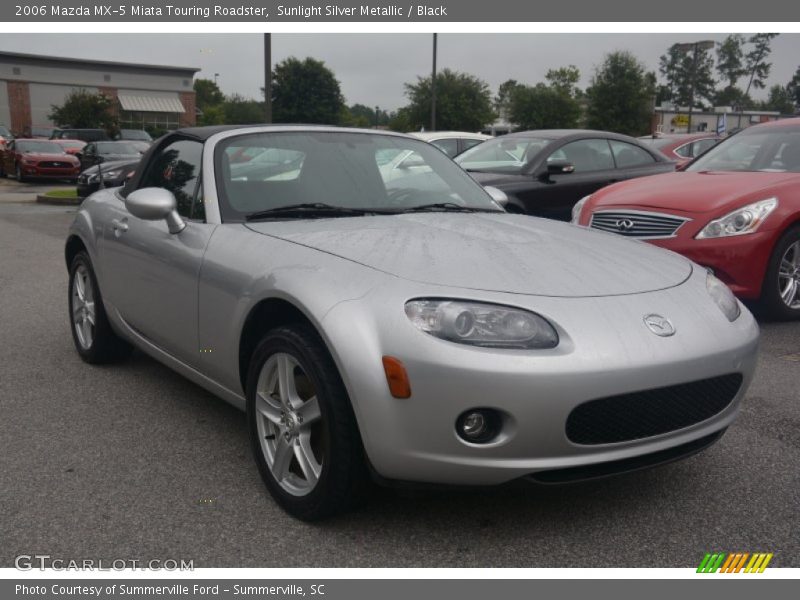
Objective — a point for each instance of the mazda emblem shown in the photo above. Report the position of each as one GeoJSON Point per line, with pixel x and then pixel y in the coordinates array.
{"type": "Point", "coordinates": [659, 325]}
{"type": "Point", "coordinates": [624, 224]}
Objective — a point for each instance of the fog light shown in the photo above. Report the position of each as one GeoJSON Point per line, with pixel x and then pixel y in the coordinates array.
{"type": "Point", "coordinates": [478, 426]}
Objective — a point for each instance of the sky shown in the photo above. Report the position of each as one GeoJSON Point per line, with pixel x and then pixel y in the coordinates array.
{"type": "Point", "coordinates": [372, 68]}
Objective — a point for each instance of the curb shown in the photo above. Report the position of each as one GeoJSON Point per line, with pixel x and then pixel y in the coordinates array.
{"type": "Point", "coordinates": [45, 199]}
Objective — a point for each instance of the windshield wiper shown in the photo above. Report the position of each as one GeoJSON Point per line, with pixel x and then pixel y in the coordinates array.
{"type": "Point", "coordinates": [443, 207]}
{"type": "Point", "coordinates": [309, 209]}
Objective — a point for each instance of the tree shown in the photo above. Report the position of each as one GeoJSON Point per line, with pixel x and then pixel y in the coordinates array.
{"type": "Point", "coordinates": [239, 110]}
{"type": "Point", "coordinates": [733, 96]}
{"type": "Point", "coordinates": [729, 59]}
{"type": "Point", "coordinates": [213, 115]}
{"type": "Point", "coordinates": [621, 95]}
{"type": "Point", "coordinates": [688, 74]}
{"type": "Point", "coordinates": [305, 92]}
{"type": "Point", "coordinates": [83, 109]}
{"type": "Point", "coordinates": [502, 102]}
{"type": "Point", "coordinates": [565, 80]}
{"type": "Point", "coordinates": [207, 93]}
{"type": "Point", "coordinates": [756, 64]}
{"type": "Point", "coordinates": [794, 88]}
{"type": "Point", "coordinates": [463, 102]}
{"type": "Point", "coordinates": [780, 99]}
{"type": "Point", "coordinates": [543, 107]}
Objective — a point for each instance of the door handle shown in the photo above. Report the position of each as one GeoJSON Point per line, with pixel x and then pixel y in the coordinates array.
{"type": "Point", "coordinates": [119, 225]}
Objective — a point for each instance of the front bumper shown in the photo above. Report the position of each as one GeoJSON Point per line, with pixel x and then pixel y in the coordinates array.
{"type": "Point", "coordinates": [605, 350]}
{"type": "Point", "coordinates": [739, 261]}
{"type": "Point", "coordinates": [36, 172]}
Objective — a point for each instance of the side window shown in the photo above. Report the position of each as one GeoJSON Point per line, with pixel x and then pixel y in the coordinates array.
{"type": "Point", "coordinates": [701, 146]}
{"type": "Point", "coordinates": [449, 147]}
{"type": "Point", "coordinates": [685, 151]}
{"type": "Point", "coordinates": [468, 143]}
{"type": "Point", "coordinates": [176, 167]}
{"type": "Point", "coordinates": [585, 155]}
{"type": "Point", "coordinates": [627, 155]}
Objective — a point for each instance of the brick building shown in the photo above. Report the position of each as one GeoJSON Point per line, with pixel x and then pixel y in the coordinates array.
{"type": "Point", "coordinates": [151, 97]}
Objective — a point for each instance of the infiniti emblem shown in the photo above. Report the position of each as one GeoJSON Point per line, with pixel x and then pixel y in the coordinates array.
{"type": "Point", "coordinates": [624, 224]}
{"type": "Point", "coordinates": [659, 325]}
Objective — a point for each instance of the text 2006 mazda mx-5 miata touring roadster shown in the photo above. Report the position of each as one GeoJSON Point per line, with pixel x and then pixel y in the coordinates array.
{"type": "Point", "coordinates": [376, 326]}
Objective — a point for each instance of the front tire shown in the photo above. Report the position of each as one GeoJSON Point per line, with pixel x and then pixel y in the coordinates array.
{"type": "Point", "coordinates": [94, 339]}
{"type": "Point", "coordinates": [20, 177]}
{"type": "Point", "coordinates": [780, 295]}
{"type": "Point", "coordinates": [303, 432]}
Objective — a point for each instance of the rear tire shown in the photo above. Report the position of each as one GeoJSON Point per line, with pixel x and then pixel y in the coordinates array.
{"type": "Point", "coordinates": [94, 339]}
{"type": "Point", "coordinates": [780, 296]}
{"type": "Point", "coordinates": [303, 431]}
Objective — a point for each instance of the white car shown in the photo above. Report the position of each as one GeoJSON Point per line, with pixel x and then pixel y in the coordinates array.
{"type": "Point", "coordinates": [452, 143]}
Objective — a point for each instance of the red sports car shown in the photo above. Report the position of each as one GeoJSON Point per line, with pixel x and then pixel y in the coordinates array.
{"type": "Point", "coordinates": [735, 210]}
{"type": "Point", "coordinates": [72, 147]}
{"type": "Point", "coordinates": [682, 147]}
{"type": "Point", "coordinates": [38, 159]}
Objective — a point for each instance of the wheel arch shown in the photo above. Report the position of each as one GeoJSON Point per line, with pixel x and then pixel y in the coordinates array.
{"type": "Point", "coordinates": [74, 245]}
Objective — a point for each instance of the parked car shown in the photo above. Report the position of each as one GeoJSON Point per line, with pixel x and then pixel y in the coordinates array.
{"type": "Point", "coordinates": [424, 331]}
{"type": "Point", "coordinates": [5, 136]}
{"type": "Point", "coordinates": [99, 152]}
{"type": "Point", "coordinates": [452, 143]}
{"type": "Point", "coordinates": [87, 135]}
{"type": "Point", "coordinates": [545, 172]}
{"type": "Point", "coordinates": [38, 159]}
{"type": "Point", "coordinates": [139, 138]}
{"type": "Point", "coordinates": [73, 147]}
{"type": "Point", "coordinates": [42, 132]}
{"type": "Point", "coordinates": [735, 210]}
{"type": "Point", "coordinates": [682, 147]}
{"type": "Point", "coordinates": [114, 174]}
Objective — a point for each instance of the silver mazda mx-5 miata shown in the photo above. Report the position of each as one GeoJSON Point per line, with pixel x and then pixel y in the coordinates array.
{"type": "Point", "coordinates": [400, 326]}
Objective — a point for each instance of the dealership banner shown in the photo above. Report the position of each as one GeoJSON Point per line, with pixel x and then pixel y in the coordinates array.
{"type": "Point", "coordinates": [397, 11]}
{"type": "Point", "coordinates": [398, 589]}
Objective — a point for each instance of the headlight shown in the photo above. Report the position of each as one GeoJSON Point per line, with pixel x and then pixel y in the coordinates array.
{"type": "Point", "coordinates": [739, 222]}
{"type": "Point", "coordinates": [724, 297]}
{"type": "Point", "coordinates": [576, 210]}
{"type": "Point", "coordinates": [479, 324]}
{"type": "Point", "coordinates": [111, 174]}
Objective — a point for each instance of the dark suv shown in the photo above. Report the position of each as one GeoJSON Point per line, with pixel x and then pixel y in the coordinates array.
{"type": "Point", "coordinates": [86, 135]}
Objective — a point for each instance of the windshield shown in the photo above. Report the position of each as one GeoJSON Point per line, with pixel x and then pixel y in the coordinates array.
{"type": "Point", "coordinates": [71, 143]}
{"type": "Point", "coordinates": [40, 147]}
{"type": "Point", "coordinates": [363, 171]}
{"type": "Point", "coordinates": [5, 132]}
{"type": "Point", "coordinates": [116, 148]}
{"type": "Point", "coordinates": [135, 134]}
{"type": "Point", "coordinates": [502, 155]}
{"type": "Point", "coordinates": [774, 149]}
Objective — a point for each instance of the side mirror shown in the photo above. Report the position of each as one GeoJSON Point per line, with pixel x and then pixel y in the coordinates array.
{"type": "Point", "coordinates": [155, 204]}
{"type": "Point", "coordinates": [79, 155]}
{"type": "Point", "coordinates": [497, 195]}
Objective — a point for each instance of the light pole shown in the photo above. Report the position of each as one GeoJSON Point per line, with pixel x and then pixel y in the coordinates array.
{"type": "Point", "coordinates": [693, 47]}
{"type": "Point", "coordinates": [377, 116]}
{"type": "Point", "coordinates": [267, 78]}
{"type": "Point", "coordinates": [433, 87]}
{"type": "Point", "coordinates": [215, 78]}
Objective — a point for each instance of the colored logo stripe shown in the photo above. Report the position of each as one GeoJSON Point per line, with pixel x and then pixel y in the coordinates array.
{"type": "Point", "coordinates": [734, 562]}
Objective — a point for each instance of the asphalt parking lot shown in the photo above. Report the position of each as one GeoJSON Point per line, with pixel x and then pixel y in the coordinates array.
{"type": "Point", "coordinates": [135, 462]}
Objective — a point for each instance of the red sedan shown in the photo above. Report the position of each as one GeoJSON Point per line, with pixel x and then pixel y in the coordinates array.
{"type": "Point", "coordinates": [683, 147]}
{"type": "Point", "coordinates": [735, 210]}
{"type": "Point", "coordinates": [38, 159]}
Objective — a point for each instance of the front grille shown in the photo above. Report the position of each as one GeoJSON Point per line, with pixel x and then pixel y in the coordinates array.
{"type": "Point", "coordinates": [54, 165]}
{"type": "Point", "coordinates": [637, 224]}
{"type": "Point", "coordinates": [651, 412]}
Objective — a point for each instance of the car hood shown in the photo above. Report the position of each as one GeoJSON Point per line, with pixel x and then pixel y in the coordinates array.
{"type": "Point", "coordinates": [496, 179]}
{"type": "Point", "coordinates": [493, 252]}
{"type": "Point", "coordinates": [118, 157]}
{"type": "Point", "coordinates": [50, 156]}
{"type": "Point", "coordinates": [110, 165]}
{"type": "Point", "coordinates": [690, 192]}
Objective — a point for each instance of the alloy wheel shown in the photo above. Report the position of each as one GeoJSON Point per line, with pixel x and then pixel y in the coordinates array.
{"type": "Point", "coordinates": [289, 424]}
{"type": "Point", "coordinates": [789, 276]}
{"type": "Point", "coordinates": [83, 307]}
